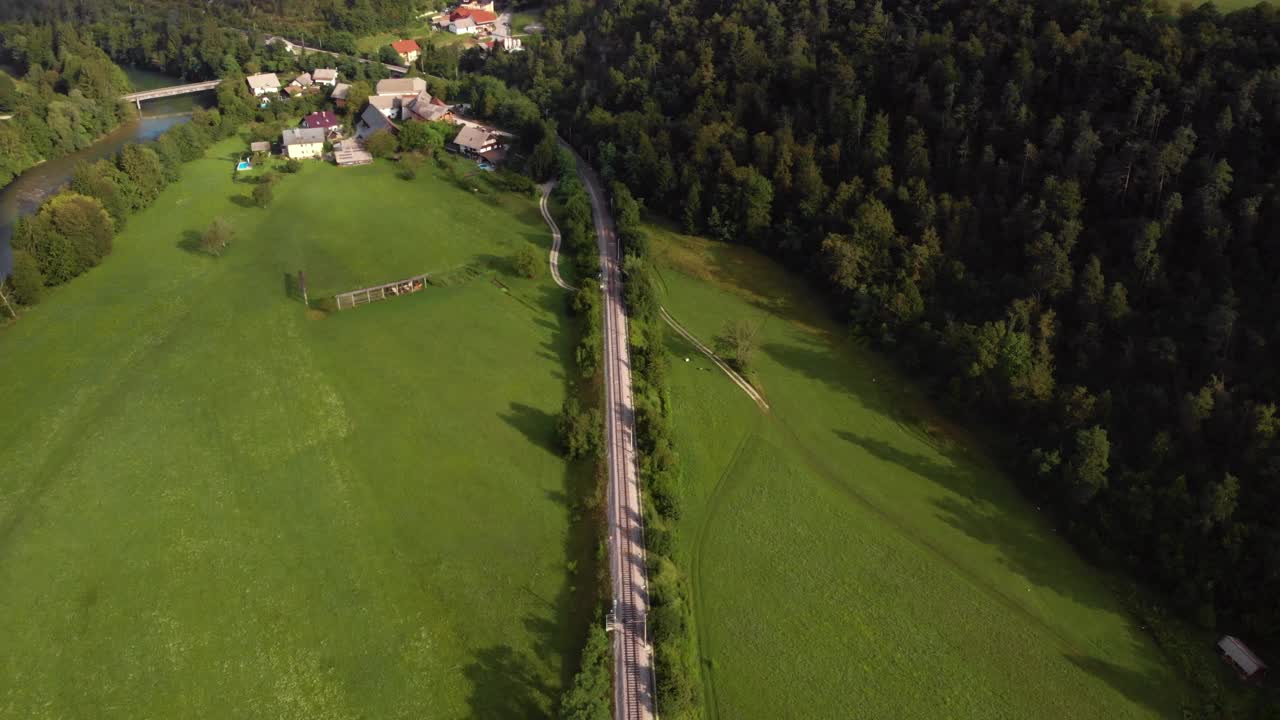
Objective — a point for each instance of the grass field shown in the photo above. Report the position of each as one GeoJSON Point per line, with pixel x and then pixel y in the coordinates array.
{"type": "Point", "coordinates": [424, 29]}
{"type": "Point", "coordinates": [854, 556]}
{"type": "Point", "coordinates": [214, 505]}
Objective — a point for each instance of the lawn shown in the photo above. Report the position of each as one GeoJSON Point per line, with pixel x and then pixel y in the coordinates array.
{"type": "Point", "coordinates": [853, 555]}
{"type": "Point", "coordinates": [218, 505]}
{"type": "Point", "coordinates": [374, 43]}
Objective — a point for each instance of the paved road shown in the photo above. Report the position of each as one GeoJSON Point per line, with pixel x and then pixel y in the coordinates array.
{"type": "Point", "coordinates": [554, 258]}
{"type": "Point", "coordinates": [633, 658]}
{"type": "Point", "coordinates": [294, 48]}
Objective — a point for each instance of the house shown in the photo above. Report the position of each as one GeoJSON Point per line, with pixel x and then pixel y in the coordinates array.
{"type": "Point", "coordinates": [468, 20]}
{"type": "Point", "coordinates": [260, 147]}
{"type": "Point", "coordinates": [371, 121]}
{"type": "Point", "coordinates": [1238, 655]}
{"type": "Point", "coordinates": [263, 84]}
{"type": "Point", "coordinates": [462, 26]}
{"type": "Point", "coordinates": [495, 157]}
{"type": "Point", "coordinates": [404, 87]}
{"type": "Point", "coordinates": [351, 152]}
{"type": "Point", "coordinates": [301, 143]}
{"type": "Point", "coordinates": [408, 50]}
{"type": "Point", "coordinates": [427, 108]}
{"type": "Point", "coordinates": [325, 76]}
{"type": "Point", "coordinates": [474, 141]}
{"type": "Point", "coordinates": [387, 105]}
{"type": "Point", "coordinates": [323, 119]}
{"type": "Point", "coordinates": [303, 80]}
{"type": "Point", "coordinates": [339, 94]}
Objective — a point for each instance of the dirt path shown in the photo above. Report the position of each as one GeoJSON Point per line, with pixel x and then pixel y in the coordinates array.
{"type": "Point", "coordinates": [547, 187]}
{"type": "Point", "coordinates": [733, 374]}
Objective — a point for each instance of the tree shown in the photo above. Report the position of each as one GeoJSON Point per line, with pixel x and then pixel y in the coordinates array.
{"type": "Point", "coordinates": [70, 234]}
{"type": "Point", "coordinates": [579, 429]}
{"type": "Point", "coordinates": [8, 92]}
{"type": "Point", "coordinates": [26, 280]}
{"type": "Point", "coordinates": [262, 194]}
{"type": "Point", "coordinates": [218, 235]}
{"type": "Point", "coordinates": [528, 261]}
{"type": "Point", "coordinates": [737, 344]}
{"type": "Point", "coordinates": [588, 697]}
{"type": "Point", "coordinates": [380, 144]}
{"type": "Point", "coordinates": [1089, 463]}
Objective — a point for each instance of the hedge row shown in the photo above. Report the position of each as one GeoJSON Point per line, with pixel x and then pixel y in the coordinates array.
{"type": "Point", "coordinates": [670, 620]}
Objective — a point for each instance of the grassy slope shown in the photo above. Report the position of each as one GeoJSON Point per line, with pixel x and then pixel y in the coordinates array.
{"type": "Point", "coordinates": [854, 557]}
{"type": "Point", "coordinates": [213, 506]}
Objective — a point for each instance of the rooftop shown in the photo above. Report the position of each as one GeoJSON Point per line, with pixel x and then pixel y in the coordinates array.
{"type": "Point", "coordinates": [322, 119]}
{"type": "Point", "coordinates": [325, 74]}
{"type": "Point", "coordinates": [405, 46]}
{"type": "Point", "coordinates": [401, 86]}
{"type": "Point", "coordinates": [300, 136]}
{"type": "Point", "coordinates": [263, 81]}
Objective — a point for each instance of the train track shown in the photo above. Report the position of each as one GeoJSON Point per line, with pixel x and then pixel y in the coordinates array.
{"type": "Point", "coordinates": [633, 672]}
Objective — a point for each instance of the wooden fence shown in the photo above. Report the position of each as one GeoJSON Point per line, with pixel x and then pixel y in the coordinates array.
{"type": "Point", "coordinates": [364, 296]}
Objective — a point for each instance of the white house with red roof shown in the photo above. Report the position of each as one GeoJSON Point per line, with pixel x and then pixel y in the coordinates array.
{"type": "Point", "coordinates": [408, 50]}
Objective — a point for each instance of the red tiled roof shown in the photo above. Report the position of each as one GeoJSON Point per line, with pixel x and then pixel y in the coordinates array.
{"type": "Point", "coordinates": [323, 119]}
{"type": "Point", "coordinates": [479, 17]}
{"type": "Point", "coordinates": [405, 46]}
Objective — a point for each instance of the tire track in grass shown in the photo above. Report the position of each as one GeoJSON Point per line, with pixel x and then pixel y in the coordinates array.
{"type": "Point", "coordinates": [695, 571]}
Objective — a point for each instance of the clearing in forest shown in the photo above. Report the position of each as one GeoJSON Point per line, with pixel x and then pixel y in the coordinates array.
{"type": "Point", "coordinates": [215, 505]}
{"type": "Point", "coordinates": [853, 556]}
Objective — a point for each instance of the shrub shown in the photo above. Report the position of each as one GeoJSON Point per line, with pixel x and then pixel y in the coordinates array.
{"type": "Point", "coordinates": [292, 165]}
{"type": "Point", "coordinates": [26, 279]}
{"type": "Point", "coordinates": [528, 261]}
{"type": "Point", "coordinates": [218, 236]}
{"type": "Point", "coordinates": [262, 194]}
{"type": "Point", "coordinates": [579, 429]}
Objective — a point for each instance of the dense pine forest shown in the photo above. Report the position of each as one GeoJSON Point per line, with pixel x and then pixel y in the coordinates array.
{"type": "Point", "coordinates": [1064, 215]}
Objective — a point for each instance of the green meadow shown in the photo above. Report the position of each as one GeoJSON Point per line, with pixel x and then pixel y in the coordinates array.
{"type": "Point", "coordinates": [217, 504]}
{"type": "Point", "coordinates": [852, 554]}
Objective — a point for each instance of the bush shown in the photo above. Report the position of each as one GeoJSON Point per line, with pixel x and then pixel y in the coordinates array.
{"type": "Point", "coordinates": [528, 261]}
{"type": "Point", "coordinates": [262, 194]}
{"type": "Point", "coordinates": [218, 236]}
{"type": "Point", "coordinates": [409, 164]}
{"type": "Point", "coordinates": [579, 429]}
{"type": "Point", "coordinates": [381, 144]}
{"type": "Point", "coordinates": [292, 165]}
{"type": "Point", "coordinates": [26, 279]}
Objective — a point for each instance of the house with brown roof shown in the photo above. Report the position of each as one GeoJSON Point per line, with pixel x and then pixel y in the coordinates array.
{"type": "Point", "coordinates": [408, 50]}
{"type": "Point", "coordinates": [325, 76]}
{"type": "Point", "coordinates": [404, 87]}
{"type": "Point", "coordinates": [426, 108]}
{"type": "Point", "coordinates": [263, 84]}
{"type": "Point", "coordinates": [474, 141]}
{"type": "Point", "coordinates": [339, 94]}
{"type": "Point", "coordinates": [469, 21]}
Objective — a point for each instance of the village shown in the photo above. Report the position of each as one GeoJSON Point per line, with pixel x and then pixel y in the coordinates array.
{"type": "Point", "coordinates": [394, 102]}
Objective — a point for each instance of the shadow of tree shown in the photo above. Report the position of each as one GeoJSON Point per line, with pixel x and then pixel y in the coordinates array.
{"type": "Point", "coordinates": [1138, 687]}
{"type": "Point", "coordinates": [539, 426]}
{"type": "Point", "coordinates": [190, 242]}
{"type": "Point", "coordinates": [505, 685]}
{"type": "Point", "coordinates": [243, 201]}
{"type": "Point", "coordinates": [991, 517]}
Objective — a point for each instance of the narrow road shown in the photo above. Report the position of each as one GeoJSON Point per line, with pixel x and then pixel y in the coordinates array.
{"type": "Point", "coordinates": [547, 187]}
{"type": "Point", "coordinates": [633, 659]}
{"type": "Point", "coordinates": [733, 374]}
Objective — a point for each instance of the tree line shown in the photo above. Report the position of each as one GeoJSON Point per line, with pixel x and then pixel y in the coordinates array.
{"type": "Point", "coordinates": [1060, 215]}
{"type": "Point", "coordinates": [73, 230]}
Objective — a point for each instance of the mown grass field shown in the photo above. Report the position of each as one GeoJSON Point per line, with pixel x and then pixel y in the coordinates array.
{"type": "Point", "coordinates": [854, 556]}
{"type": "Point", "coordinates": [215, 505]}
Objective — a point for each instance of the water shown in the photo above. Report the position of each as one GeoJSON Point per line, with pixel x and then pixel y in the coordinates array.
{"type": "Point", "coordinates": [24, 195]}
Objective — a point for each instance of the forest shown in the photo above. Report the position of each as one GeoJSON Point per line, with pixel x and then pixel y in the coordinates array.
{"type": "Point", "coordinates": [1063, 216]}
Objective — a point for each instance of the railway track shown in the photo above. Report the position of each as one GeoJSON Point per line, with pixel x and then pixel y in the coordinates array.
{"type": "Point", "coordinates": [633, 671]}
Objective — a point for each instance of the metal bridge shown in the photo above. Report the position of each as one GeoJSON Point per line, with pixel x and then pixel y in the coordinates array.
{"type": "Point", "coordinates": [138, 97]}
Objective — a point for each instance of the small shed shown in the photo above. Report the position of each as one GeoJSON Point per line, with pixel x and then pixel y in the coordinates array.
{"type": "Point", "coordinates": [1239, 656]}
{"type": "Point", "coordinates": [260, 147]}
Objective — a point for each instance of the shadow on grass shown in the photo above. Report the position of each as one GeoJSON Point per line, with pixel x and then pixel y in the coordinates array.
{"type": "Point", "coordinates": [537, 425]}
{"type": "Point", "coordinates": [292, 289]}
{"type": "Point", "coordinates": [505, 685]}
{"type": "Point", "coordinates": [1138, 687]}
{"type": "Point", "coordinates": [190, 242]}
{"type": "Point", "coordinates": [243, 201]}
{"type": "Point", "coordinates": [1026, 545]}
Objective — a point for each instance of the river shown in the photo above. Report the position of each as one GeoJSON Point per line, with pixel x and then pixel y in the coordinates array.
{"type": "Point", "coordinates": [24, 195]}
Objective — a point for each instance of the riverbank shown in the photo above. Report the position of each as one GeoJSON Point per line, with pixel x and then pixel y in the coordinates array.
{"type": "Point", "coordinates": [24, 195]}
